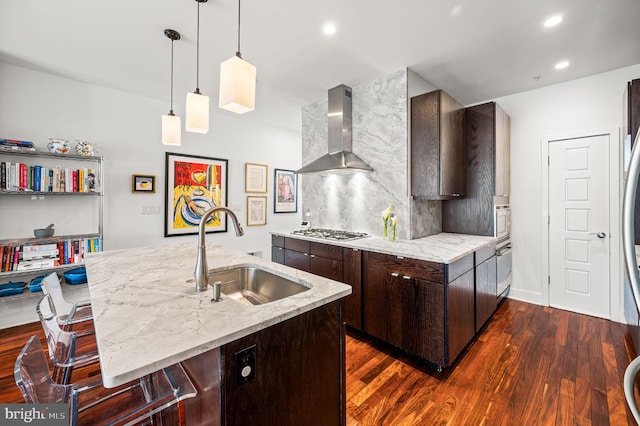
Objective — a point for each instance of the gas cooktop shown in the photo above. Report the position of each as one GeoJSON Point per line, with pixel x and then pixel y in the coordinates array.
{"type": "Point", "coordinates": [330, 234]}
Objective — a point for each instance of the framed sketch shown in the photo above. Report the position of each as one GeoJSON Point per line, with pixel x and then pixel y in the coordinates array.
{"type": "Point", "coordinates": [194, 184]}
{"type": "Point", "coordinates": [256, 211]}
{"type": "Point", "coordinates": [143, 183]}
{"type": "Point", "coordinates": [285, 199]}
{"type": "Point", "coordinates": [255, 177]}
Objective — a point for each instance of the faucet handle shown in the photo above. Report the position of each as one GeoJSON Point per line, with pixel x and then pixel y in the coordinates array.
{"type": "Point", "coordinates": [216, 291]}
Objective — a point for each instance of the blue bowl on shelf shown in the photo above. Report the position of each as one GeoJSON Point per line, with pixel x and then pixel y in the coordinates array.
{"type": "Point", "coordinates": [76, 276]}
{"type": "Point", "coordinates": [36, 284]}
{"type": "Point", "coordinates": [9, 289]}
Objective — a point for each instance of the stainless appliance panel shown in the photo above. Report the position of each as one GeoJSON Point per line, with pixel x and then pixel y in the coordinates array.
{"type": "Point", "coordinates": [503, 266]}
{"type": "Point", "coordinates": [502, 221]}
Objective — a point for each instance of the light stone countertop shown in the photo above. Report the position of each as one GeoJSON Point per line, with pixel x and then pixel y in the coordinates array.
{"type": "Point", "coordinates": [148, 317]}
{"type": "Point", "coordinates": [441, 248]}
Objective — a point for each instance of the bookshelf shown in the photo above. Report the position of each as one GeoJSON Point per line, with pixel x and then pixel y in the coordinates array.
{"type": "Point", "coordinates": [38, 188]}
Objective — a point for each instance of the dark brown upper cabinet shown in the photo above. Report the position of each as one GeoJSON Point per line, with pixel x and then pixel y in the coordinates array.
{"type": "Point", "coordinates": [630, 126]}
{"type": "Point", "coordinates": [488, 167]}
{"type": "Point", "coordinates": [438, 152]}
{"type": "Point", "coordinates": [631, 117]}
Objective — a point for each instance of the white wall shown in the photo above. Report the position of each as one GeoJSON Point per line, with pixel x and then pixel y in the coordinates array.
{"type": "Point", "coordinates": [589, 103]}
{"type": "Point", "coordinates": [36, 106]}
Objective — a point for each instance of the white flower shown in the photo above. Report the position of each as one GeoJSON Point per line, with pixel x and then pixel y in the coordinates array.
{"type": "Point", "coordinates": [386, 213]}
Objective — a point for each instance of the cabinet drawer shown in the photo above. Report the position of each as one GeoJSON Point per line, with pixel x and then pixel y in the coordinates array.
{"type": "Point", "coordinates": [277, 254]}
{"type": "Point", "coordinates": [413, 268]}
{"type": "Point", "coordinates": [297, 260]}
{"type": "Point", "coordinates": [459, 267]}
{"type": "Point", "coordinates": [297, 245]}
{"type": "Point", "coordinates": [485, 253]}
{"type": "Point", "coordinates": [277, 240]}
{"type": "Point", "coordinates": [326, 250]}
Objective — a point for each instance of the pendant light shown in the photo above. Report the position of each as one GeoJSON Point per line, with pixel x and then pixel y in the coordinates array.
{"type": "Point", "coordinates": [197, 109]}
{"type": "Point", "coordinates": [171, 125]}
{"type": "Point", "coordinates": [237, 82]}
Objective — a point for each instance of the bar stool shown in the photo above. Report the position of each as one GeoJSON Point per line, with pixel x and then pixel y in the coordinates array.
{"type": "Point", "coordinates": [125, 405]}
{"type": "Point", "coordinates": [67, 350]}
{"type": "Point", "coordinates": [67, 313]}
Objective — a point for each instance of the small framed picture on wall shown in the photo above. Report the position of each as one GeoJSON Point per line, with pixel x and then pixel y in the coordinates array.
{"type": "Point", "coordinates": [285, 195]}
{"type": "Point", "coordinates": [255, 177]}
{"type": "Point", "coordinates": [256, 211]}
{"type": "Point", "coordinates": [143, 183]}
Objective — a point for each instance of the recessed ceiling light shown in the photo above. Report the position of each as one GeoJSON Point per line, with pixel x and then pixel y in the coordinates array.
{"type": "Point", "coordinates": [553, 21]}
{"type": "Point", "coordinates": [329, 29]}
{"type": "Point", "coordinates": [562, 65]}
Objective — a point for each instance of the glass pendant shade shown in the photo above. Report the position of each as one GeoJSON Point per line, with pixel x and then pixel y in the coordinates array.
{"type": "Point", "coordinates": [237, 85]}
{"type": "Point", "coordinates": [171, 130]}
{"type": "Point", "coordinates": [197, 113]}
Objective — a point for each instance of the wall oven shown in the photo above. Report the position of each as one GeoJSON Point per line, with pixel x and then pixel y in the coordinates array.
{"type": "Point", "coordinates": [502, 231]}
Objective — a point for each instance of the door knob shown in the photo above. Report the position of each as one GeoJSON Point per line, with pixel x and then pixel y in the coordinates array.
{"type": "Point", "coordinates": [598, 234]}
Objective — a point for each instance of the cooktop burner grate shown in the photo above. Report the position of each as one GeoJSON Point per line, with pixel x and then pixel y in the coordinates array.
{"type": "Point", "coordinates": [330, 234]}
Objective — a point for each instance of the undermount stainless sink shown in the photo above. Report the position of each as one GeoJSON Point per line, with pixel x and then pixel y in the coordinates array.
{"type": "Point", "coordinates": [254, 285]}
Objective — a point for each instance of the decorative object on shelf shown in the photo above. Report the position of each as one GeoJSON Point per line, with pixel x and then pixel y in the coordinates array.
{"type": "Point", "coordinates": [58, 146]}
{"type": "Point", "coordinates": [9, 289]}
{"type": "Point", "coordinates": [394, 223]}
{"type": "Point", "coordinates": [237, 82]}
{"type": "Point", "coordinates": [76, 276]}
{"type": "Point", "coordinates": [386, 214]}
{"type": "Point", "coordinates": [16, 145]}
{"type": "Point", "coordinates": [256, 211]}
{"type": "Point", "coordinates": [285, 198]}
{"type": "Point", "coordinates": [171, 123]}
{"type": "Point", "coordinates": [44, 232]}
{"type": "Point", "coordinates": [197, 109]}
{"type": "Point", "coordinates": [194, 184]}
{"type": "Point", "coordinates": [143, 183]}
{"type": "Point", "coordinates": [35, 285]}
{"type": "Point", "coordinates": [255, 177]}
{"type": "Point", "coordinates": [86, 149]}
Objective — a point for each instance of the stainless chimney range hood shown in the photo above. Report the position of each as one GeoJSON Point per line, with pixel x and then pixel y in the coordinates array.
{"type": "Point", "coordinates": [339, 159]}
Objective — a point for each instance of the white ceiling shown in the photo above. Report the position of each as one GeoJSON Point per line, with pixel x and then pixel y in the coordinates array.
{"type": "Point", "coordinates": [474, 49]}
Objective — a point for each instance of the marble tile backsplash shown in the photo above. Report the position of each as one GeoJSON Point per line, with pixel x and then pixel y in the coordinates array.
{"type": "Point", "coordinates": [380, 137]}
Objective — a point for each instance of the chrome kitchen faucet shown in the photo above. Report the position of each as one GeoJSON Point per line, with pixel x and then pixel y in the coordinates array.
{"type": "Point", "coordinates": [201, 273]}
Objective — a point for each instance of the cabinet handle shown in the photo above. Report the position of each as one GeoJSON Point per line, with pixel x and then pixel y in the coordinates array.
{"type": "Point", "coordinates": [395, 274]}
{"type": "Point", "coordinates": [355, 249]}
{"type": "Point", "coordinates": [306, 254]}
{"type": "Point", "coordinates": [312, 255]}
{"type": "Point", "coordinates": [406, 277]}
{"type": "Point", "coordinates": [400, 257]}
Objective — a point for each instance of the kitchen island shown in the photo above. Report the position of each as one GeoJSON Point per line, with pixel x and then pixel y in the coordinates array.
{"type": "Point", "coordinates": [148, 316]}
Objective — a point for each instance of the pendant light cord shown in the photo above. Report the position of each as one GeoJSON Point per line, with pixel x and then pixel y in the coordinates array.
{"type": "Point", "coordinates": [171, 110]}
{"type": "Point", "coordinates": [238, 54]}
{"type": "Point", "coordinates": [198, 52]}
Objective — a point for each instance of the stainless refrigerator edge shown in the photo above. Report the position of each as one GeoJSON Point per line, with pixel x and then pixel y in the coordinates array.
{"type": "Point", "coordinates": [631, 264]}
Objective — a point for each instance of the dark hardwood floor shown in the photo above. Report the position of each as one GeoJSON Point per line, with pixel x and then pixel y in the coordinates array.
{"type": "Point", "coordinates": [532, 365]}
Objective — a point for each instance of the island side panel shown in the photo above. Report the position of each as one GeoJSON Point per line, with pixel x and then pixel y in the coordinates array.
{"type": "Point", "coordinates": [299, 373]}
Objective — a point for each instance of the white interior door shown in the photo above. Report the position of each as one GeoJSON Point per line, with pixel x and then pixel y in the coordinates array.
{"type": "Point", "coordinates": [579, 225]}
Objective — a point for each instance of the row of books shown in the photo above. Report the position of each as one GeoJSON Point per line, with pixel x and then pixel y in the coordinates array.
{"type": "Point", "coordinates": [41, 256]}
{"type": "Point", "coordinates": [22, 177]}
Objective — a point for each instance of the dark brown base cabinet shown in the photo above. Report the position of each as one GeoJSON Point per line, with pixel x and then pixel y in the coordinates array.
{"type": "Point", "coordinates": [424, 308]}
{"type": "Point", "coordinates": [486, 285]}
{"type": "Point", "coordinates": [430, 310]}
{"type": "Point", "coordinates": [334, 262]}
{"type": "Point", "coordinates": [298, 375]}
